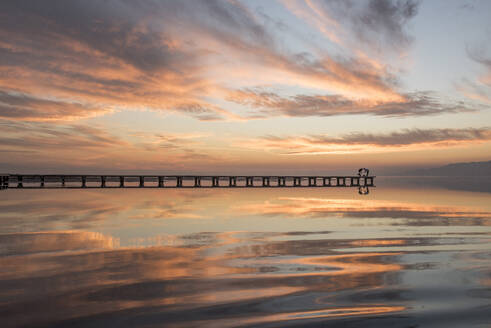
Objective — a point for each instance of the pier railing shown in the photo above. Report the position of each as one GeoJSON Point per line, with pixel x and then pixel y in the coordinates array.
{"type": "Point", "coordinates": [44, 181]}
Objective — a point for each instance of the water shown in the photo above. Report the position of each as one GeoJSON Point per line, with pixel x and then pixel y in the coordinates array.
{"type": "Point", "coordinates": [409, 254]}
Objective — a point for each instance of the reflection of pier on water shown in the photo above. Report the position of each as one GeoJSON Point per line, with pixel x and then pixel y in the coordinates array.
{"type": "Point", "coordinates": [362, 181]}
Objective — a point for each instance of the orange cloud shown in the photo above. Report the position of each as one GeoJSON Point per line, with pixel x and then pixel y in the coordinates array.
{"type": "Point", "coordinates": [415, 104]}
{"type": "Point", "coordinates": [72, 146]}
{"type": "Point", "coordinates": [74, 61]}
{"type": "Point", "coordinates": [408, 139]}
{"type": "Point", "coordinates": [24, 107]}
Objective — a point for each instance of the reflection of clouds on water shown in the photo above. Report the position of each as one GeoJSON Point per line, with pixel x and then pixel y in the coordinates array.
{"type": "Point", "coordinates": [252, 258]}
{"type": "Point", "coordinates": [54, 241]}
{"type": "Point", "coordinates": [231, 279]}
{"type": "Point", "coordinates": [50, 209]}
{"type": "Point", "coordinates": [321, 207]}
{"type": "Point", "coordinates": [31, 210]}
{"type": "Point", "coordinates": [162, 281]}
{"type": "Point", "coordinates": [461, 183]}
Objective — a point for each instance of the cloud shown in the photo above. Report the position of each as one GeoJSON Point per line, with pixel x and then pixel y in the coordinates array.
{"type": "Point", "coordinates": [49, 145]}
{"type": "Point", "coordinates": [349, 76]}
{"type": "Point", "coordinates": [75, 60]}
{"type": "Point", "coordinates": [384, 19]}
{"type": "Point", "coordinates": [480, 56]}
{"type": "Point", "coordinates": [25, 107]}
{"type": "Point", "coordinates": [85, 58]}
{"type": "Point", "coordinates": [183, 142]}
{"type": "Point", "coordinates": [412, 136]}
{"type": "Point", "coordinates": [379, 25]}
{"type": "Point", "coordinates": [408, 139]}
{"type": "Point", "coordinates": [46, 137]}
{"type": "Point", "coordinates": [115, 53]}
{"type": "Point", "coordinates": [480, 88]}
{"type": "Point", "coordinates": [413, 104]}
{"type": "Point", "coordinates": [476, 90]}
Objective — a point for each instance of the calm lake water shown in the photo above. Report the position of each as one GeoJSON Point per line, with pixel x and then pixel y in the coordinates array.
{"type": "Point", "coordinates": [412, 253]}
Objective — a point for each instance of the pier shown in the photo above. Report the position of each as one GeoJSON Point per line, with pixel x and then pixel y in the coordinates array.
{"type": "Point", "coordinates": [80, 181]}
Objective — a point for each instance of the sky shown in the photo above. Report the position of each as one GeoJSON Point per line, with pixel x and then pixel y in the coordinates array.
{"type": "Point", "coordinates": [229, 86]}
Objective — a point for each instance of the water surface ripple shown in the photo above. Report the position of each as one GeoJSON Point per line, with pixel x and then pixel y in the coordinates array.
{"type": "Point", "coordinates": [398, 257]}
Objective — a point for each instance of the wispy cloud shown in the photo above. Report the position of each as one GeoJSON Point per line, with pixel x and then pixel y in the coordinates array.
{"type": "Point", "coordinates": [43, 137]}
{"type": "Point", "coordinates": [413, 104]}
{"type": "Point", "coordinates": [408, 139]}
{"type": "Point", "coordinates": [24, 107]}
{"type": "Point", "coordinates": [376, 24]}
{"type": "Point", "coordinates": [75, 145]}
{"type": "Point", "coordinates": [92, 58]}
{"type": "Point", "coordinates": [117, 53]}
{"type": "Point", "coordinates": [480, 88]}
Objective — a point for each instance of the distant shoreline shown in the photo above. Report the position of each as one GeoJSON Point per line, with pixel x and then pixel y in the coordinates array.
{"type": "Point", "coordinates": [470, 169]}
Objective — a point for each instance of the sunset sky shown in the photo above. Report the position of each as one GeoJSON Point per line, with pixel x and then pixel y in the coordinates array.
{"type": "Point", "coordinates": [287, 86]}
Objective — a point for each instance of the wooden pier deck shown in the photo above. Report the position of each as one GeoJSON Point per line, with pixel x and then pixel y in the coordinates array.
{"type": "Point", "coordinates": [47, 181]}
